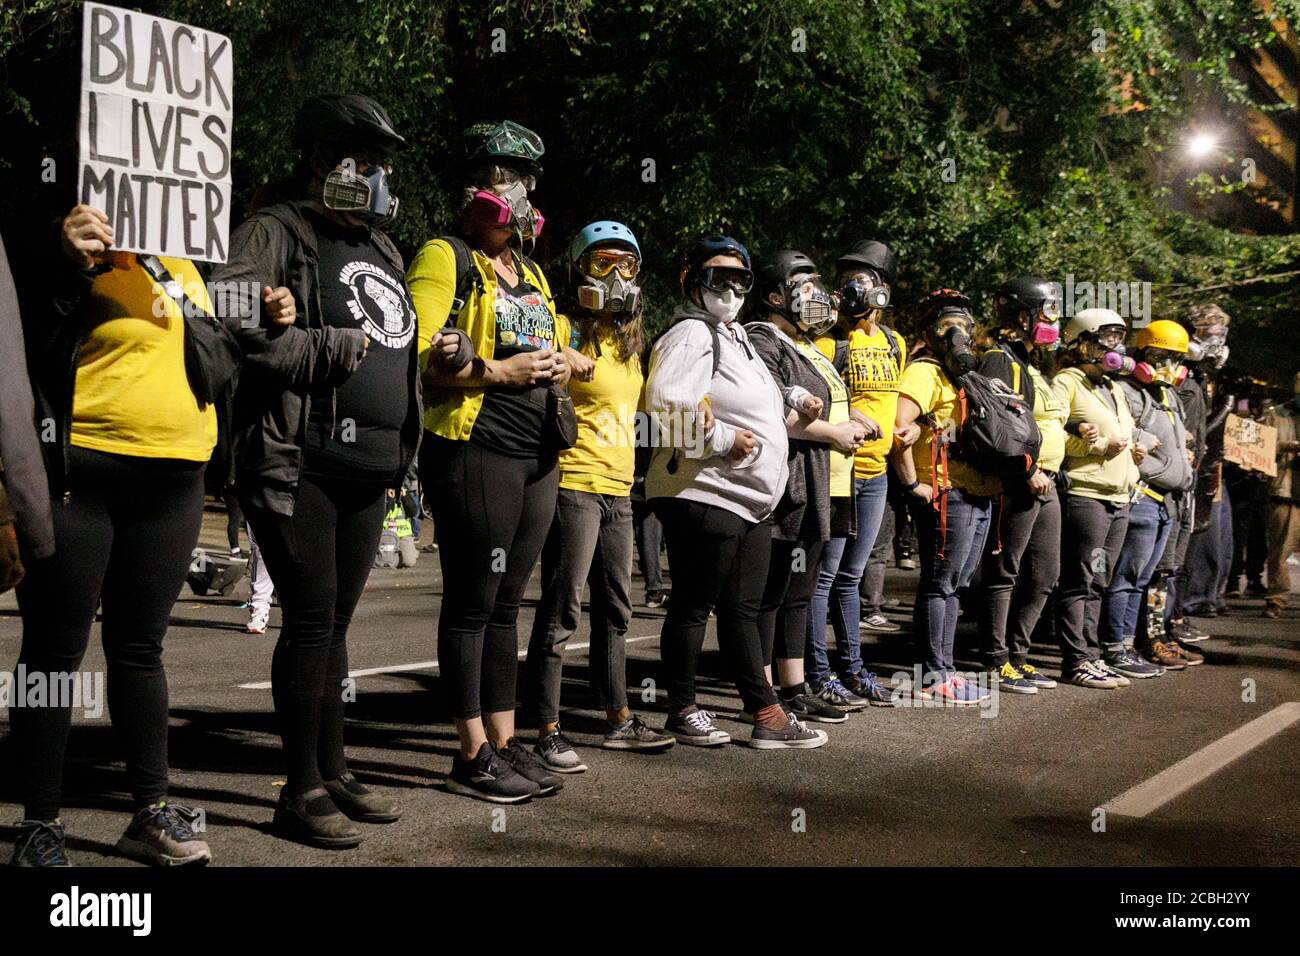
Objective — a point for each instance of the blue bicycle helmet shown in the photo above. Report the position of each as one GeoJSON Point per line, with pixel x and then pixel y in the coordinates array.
{"type": "Point", "coordinates": [702, 250]}
{"type": "Point", "coordinates": [606, 230]}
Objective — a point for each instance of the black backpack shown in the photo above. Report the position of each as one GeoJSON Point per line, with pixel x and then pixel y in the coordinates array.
{"type": "Point", "coordinates": [997, 434]}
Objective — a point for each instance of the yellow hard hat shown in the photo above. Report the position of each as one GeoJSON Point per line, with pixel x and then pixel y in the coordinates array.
{"type": "Point", "coordinates": [1162, 334]}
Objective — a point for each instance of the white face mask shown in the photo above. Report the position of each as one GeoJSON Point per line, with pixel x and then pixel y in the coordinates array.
{"type": "Point", "coordinates": [725, 305]}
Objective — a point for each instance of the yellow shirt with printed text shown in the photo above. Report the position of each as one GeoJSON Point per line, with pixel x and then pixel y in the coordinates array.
{"type": "Point", "coordinates": [873, 375]}
{"type": "Point", "coordinates": [603, 458]}
{"type": "Point", "coordinates": [132, 394]}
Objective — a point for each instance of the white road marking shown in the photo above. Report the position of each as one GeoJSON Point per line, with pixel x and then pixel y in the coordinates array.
{"type": "Point", "coordinates": [1154, 793]}
{"type": "Point", "coordinates": [429, 665]}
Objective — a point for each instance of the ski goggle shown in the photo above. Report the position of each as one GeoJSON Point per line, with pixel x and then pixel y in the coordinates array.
{"type": "Point", "coordinates": [601, 263]}
{"type": "Point", "coordinates": [721, 278]}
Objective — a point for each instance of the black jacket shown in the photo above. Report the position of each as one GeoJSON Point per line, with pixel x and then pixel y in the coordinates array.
{"type": "Point", "coordinates": [282, 365]}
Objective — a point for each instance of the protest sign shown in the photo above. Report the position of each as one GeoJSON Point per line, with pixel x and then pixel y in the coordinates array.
{"type": "Point", "coordinates": [1250, 444]}
{"type": "Point", "coordinates": [154, 145]}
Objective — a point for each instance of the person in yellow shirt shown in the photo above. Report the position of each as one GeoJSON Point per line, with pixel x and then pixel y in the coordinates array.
{"type": "Point", "coordinates": [950, 501]}
{"type": "Point", "coordinates": [593, 517]}
{"type": "Point", "coordinates": [488, 459]}
{"type": "Point", "coordinates": [125, 468]}
{"type": "Point", "coordinates": [870, 360]}
{"type": "Point", "coordinates": [1023, 559]}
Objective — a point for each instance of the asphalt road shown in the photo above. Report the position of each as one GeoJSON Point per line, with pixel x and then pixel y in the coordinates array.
{"type": "Point", "coordinates": [1018, 785]}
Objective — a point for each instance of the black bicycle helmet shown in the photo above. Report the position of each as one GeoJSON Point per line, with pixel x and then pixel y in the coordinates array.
{"type": "Point", "coordinates": [874, 255]}
{"type": "Point", "coordinates": [349, 119]}
{"type": "Point", "coordinates": [942, 302]}
{"type": "Point", "coordinates": [1024, 294]}
{"type": "Point", "coordinates": [772, 271]}
{"type": "Point", "coordinates": [701, 251]}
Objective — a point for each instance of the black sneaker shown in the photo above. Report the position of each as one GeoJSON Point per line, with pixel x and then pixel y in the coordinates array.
{"type": "Point", "coordinates": [656, 598]}
{"type": "Point", "coordinates": [163, 834]}
{"type": "Point", "coordinates": [865, 686]}
{"type": "Point", "coordinates": [806, 705]}
{"type": "Point", "coordinates": [523, 763]}
{"type": "Point", "coordinates": [313, 818]}
{"type": "Point", "coordinates": [39, 843]}
{"type": "Point", "coordinates": [793, 736]}
{"type": "Point", "coordinates": [360, 802]}
{"type": "Point", "coordinates": [1185, 632]}
{"type": "Point", "coordinates": [556, 753]}
{"type": "Point", "coordinates": [635, 734]}
{"type": "Point", "coordinates": [1127, 663]}
{"type": "Point", "coordinates": [488, 777]}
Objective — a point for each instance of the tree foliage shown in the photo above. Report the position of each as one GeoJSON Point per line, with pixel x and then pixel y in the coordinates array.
{"type": "Point", "coordinates": [804, 123]}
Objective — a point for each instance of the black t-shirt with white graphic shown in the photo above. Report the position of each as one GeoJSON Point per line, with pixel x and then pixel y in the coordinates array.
{"type": "Point", "coordinates": [361, 436]}
{"type": "Point", "coordinates": [511, 419]}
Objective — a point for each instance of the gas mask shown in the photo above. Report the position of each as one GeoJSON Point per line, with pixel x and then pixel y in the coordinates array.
{"type": "Point", "coordinates": [511, 208]}
{"type": "Point", "coordinates": [857, 299]}
{"type": "Point", "coordinates": [724, 305]}
{"type": "Point", "coordinates": [364, 194]}
{"type": "Point", "coordinates": [608, 288]}
{"type": "Point", "coordinates": [1169, 371]}
{"type": "Point", "coordinates": [1210, 343]}
{"type": "Point", "coordinates": [958, 357]}
{"type": "Point", "coordinates": [809, 305]}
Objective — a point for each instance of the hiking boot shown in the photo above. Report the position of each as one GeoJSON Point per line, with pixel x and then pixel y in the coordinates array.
{"type": "Point", "coordinates": [1189, 657]}
{"type": "Point", "coordinates": [1158, 652]}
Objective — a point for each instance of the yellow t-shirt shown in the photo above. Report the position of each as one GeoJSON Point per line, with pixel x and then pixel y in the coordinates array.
{"type": "Point", "coordinates": [603, 458]}
{"type": "Point", "coordinates": [132, 395]}
{"type": "Point", "coordinates": [926, 385]}
{"type": "Point", "coordinates": [872, 376]}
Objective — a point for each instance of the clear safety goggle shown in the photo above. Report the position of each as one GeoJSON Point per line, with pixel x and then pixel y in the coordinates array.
{"type": "Point", "coordinates": [511, 139]}
{"type": "Point", "coordinates": [1110, 336]}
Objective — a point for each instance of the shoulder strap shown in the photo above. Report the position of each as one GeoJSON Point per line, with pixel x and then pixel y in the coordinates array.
{"type": "Point", "coordinates": [895, 350]}
{"type": "Point", "coordinates": [467, 277]}
{"type": "Point", "coordinates": [841, 360]}
{"type": "Point", "coordinates": [717, 341]}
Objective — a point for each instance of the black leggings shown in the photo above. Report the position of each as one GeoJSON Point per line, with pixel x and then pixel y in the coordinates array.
{"type": "Point", "coordinates": [319, 559]}
{"type": "Point", "coordinates": [125, 534]}
{"type": "Point", "coordinates": [491, 514]}
{"type": "Point", "coordinates": [783, 616]}
{"type": "Point", "coordinates": [717, 559]}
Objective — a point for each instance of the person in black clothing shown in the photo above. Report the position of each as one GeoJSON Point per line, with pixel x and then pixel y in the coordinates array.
{"type": "Point", "coordinates": [327, 418]}
{"type": "Point", "coordinates": [1027, 520]}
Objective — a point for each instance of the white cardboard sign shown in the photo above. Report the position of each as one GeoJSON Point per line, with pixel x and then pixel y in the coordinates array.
{"type": "Point", "coordinates": [157, 109]}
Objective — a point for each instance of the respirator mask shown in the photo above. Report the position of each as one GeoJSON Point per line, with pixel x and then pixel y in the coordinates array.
{"type": "Point", "coordinates": [958, 356]}
{"type": "Point", "coordinates": [1164, 369]}
{"type": "Point", "coordinates": [1044, 328]}
{"type": "Point", "coordinates": [363, 193]}
{"type": "Point", "coordinates": [608, 288]}
{"type": "Point", "coordinates": [511, 209]}
{"type": "Point", "coordinates": [1211, 345]}
{"type": "Point", "coordinates": [809, 305]}
{"type": "Point", "coordinates": [857, 299]}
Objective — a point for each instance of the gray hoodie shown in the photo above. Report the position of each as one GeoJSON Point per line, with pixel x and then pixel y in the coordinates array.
{"type": "Point", "coordinates": [1158, 413]}
{"type": "Point", "coordinates": [742, 395]}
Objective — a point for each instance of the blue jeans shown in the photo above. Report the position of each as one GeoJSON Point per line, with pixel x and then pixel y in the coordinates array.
{"type": "Point", "coordinates": [1149, 524]}
{"type": "Point", "coordinates": [934, 619]}
{"type": "Point", "coordinates": [1209, 558]}
{"type": "Point", "coordinates": [843, 561]}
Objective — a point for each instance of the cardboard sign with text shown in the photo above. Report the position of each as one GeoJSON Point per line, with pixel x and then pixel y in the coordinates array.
{"type": "Point", "coordinates": [1250, 444]}
{"type": "Point", "coordinates": [157, 111]}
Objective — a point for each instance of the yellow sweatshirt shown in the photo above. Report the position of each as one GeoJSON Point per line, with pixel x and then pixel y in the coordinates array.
{"type": "Point", "coordinates": [1091, 475]}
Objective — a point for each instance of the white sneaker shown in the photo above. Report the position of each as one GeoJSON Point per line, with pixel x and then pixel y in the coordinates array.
{"type": "Point", "coordinates": [258, 619]}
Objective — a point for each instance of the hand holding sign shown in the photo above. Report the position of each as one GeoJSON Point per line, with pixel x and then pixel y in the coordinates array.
{"type": "Point", "coordinates": [85, 236]}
